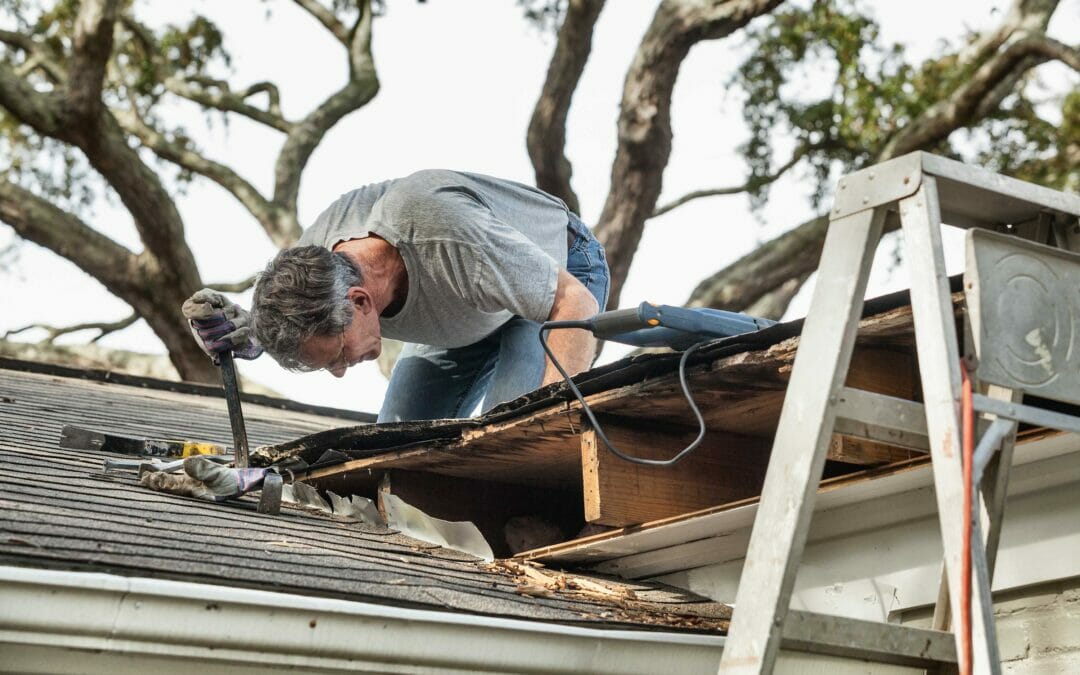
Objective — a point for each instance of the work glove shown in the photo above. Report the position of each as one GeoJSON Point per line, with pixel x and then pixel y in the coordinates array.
{"type": "Point", "coordinates": [220, 325]}
{"type": "Point", "coordinates": [206, 479]}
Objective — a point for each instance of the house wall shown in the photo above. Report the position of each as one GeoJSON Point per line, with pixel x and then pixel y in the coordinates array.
{"type": "Point", "coordinates": [869, 559]}
{"type": "Point", "coordinates": [1038, 627]}
{"type": "Point", "coordinates": [881, 559]}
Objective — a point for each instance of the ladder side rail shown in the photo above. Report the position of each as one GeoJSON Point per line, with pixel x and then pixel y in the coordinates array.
{"type": "Point", "coordinates": [939, 362]}
{"type": "Point", "coordinates": [798, 455]}
{"type": "Point", "coordinates": [995, 481]}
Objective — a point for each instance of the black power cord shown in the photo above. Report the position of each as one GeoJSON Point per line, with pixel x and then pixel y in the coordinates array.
{"type": "Point", "coordinates": [586, 325]}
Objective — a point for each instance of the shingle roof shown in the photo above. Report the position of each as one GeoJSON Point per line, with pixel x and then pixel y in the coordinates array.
{"type": "Point", "coordinates": [58, 509]}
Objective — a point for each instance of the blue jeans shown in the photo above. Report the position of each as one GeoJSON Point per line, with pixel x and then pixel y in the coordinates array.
{"type": "Point", "coordinates": [438, 382]}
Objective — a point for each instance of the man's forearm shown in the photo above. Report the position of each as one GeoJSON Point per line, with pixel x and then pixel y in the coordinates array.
{"type": "Point", "coordinates": [573, 347]}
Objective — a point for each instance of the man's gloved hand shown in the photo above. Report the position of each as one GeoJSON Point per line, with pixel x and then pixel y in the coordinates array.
{"type": "Point", "coordinates": [220, 325]}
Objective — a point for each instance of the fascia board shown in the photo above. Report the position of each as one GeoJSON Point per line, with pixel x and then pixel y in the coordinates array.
{"type": "Point", "coordinates": [150, 619]}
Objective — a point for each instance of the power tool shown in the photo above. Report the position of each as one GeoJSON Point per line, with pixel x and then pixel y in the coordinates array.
{"type": "Point", "coordinates": [679, 328]}
{"type": "Point", "coordinates": [683, 329]}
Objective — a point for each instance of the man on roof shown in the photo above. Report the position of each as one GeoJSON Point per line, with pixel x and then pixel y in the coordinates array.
{"type": "Point", "coordinates": [462, 267]}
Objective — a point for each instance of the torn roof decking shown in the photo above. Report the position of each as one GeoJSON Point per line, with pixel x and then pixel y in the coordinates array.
{"type": "Point", "coordinates": [59, 510]}
{"type": "Point", "coordinates": [739, 383]}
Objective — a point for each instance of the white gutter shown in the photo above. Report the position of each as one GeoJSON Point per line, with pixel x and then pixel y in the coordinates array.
{"type": "Point", "coordinates": [57, 621]}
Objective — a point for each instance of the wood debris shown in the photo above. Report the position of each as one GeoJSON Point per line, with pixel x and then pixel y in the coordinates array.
{"type": "Point", "coordinates": [532, 579]}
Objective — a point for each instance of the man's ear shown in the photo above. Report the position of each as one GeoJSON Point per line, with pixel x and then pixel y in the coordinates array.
{"type": "Point", "coordinates": [360, 299]}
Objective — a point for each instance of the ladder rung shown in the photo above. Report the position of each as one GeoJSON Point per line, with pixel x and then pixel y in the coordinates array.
{"type": "Point", "coordinates": [869, 640]}
{"type": "Point", "coordinates": [1025, 413]}
{"type": "Point", "coordinates": [877, 417]}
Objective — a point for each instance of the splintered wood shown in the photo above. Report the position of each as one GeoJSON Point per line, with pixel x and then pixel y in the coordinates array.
{"type": "Point", "coordinates": [620, 600]}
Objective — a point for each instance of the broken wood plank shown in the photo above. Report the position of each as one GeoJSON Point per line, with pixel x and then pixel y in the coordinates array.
{"type": "Point", "coordinates": [724, 468]}
{"type": "Point", "coordinates": [865, 452]}
{"type": "Point", "coordinates": [540, 450]}
{"type": "Point", "coordinates": [740, 393]}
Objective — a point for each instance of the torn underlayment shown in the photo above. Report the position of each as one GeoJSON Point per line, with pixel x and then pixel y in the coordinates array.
{"type": "Point", "coordinates": [411, 521]}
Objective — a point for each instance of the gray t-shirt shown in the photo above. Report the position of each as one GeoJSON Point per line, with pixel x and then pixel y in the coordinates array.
{"type": "Point", "coordinates": [478, 250]}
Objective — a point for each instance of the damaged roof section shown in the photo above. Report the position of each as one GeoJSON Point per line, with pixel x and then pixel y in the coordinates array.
{"type": "Point", "coordinates": [535, 456]}
{"type": "Point", "coordinates": [59, 510]}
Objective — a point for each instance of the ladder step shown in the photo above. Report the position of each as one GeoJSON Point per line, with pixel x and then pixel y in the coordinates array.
{"type": "Point", "coordinates": [1028, 414]}
{"type": "Point", "coordinates": [881, 418]}
{"type": "Point", "coordinates": [868, 640]}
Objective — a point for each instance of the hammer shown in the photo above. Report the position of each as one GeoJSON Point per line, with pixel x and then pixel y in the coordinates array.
{"type": "Point", "coordinates": [236, 415]}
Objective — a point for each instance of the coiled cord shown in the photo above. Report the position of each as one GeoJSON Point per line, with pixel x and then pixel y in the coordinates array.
{"type": "Point", "coordinates": [552, 325]}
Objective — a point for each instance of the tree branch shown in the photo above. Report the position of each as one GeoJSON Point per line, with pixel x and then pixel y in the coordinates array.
{"type": "Point", "coordinates": [234, 286]}
{"type": "Point", "coordinates": [645, 118]}
{"type": "Point", "coordinates": [1054, 50]}
{"type": "Point", "coordinates": [546, 138]}
{"type": "Point", "coordinates": [37, 110]}
{"type": "Point", "coordinates": [219, 96]}
{"type": "Point", "coordinates": [764, 269]}
{"type": "Point", "coordinates": [37, 53]}
{"type": "Point", "coordinates": [362, 86]}
{"type": "Point", "coordinates": [272, 94]}
{"type": "Point", "coordinates": [166, 268]}
{"type": "Point", "coordinates": [91, 46]}
{"type": "Point", "coordinates": [53, 332]}
{"type": "Point", "coordinates": [207, 91]}
{"type": "Point", "coordinates": [750, 184]}
{"type": "Point", "coordinates": [326, 17]}
{"type": "Point", "coordinates": [153, 286]}
{"type": "Point", "coordinates": [137, 279]}
{"type": "Point", "coordinates": [959, 109]}
{"type": "Point", "coordinates": [268, 214]}
{"type": "Point", "coordinates": [89, 126]}
{"type": "Point", "coordinates": [154, 282]}
{"type": "Point", "coordinates": [66, 235]}
{"type": "Point", "coordinates": [762, 274]}
{"type": "Point", "coordinates": [93, 356]}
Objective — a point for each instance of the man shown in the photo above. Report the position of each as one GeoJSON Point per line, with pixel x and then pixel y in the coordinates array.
{"type": "Point", "coordinates": [460, 266]}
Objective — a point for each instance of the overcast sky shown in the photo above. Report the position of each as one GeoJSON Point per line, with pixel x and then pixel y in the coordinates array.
{"type": "Point", "coordinates": [459, 80]}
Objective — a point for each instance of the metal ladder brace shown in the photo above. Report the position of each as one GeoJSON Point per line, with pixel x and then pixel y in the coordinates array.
{"type": "Point", "coordinates": [923, 191]}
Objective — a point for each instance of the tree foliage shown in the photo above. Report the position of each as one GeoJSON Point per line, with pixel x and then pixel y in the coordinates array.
{"type": "Point", "coordinates": [975, 103]}
{"type": "Point", "coordinates": [82, 89]}
{"type": "Point", "coordinates": [872, 94]}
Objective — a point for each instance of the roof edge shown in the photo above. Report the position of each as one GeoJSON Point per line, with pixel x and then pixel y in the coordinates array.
{"type": "Point", "coordinates": [146, 619]}
{"type": "Point", "coordinates": [181, 387]}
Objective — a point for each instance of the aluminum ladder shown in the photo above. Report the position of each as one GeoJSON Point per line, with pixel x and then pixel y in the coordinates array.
{"type": "Point", "coordinates": [921, 191]}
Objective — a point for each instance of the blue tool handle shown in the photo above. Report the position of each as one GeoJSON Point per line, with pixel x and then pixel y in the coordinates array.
{"type": "Point", "coordinates": [607, 324]}
{"type": "Point", "coordinates": [657, 337]}
{"type": "Point", "coordinates": [703, 321]}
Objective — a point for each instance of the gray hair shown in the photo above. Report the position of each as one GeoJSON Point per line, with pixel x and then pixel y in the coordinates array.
{"type": "Point", "coordinates": [302, 293]}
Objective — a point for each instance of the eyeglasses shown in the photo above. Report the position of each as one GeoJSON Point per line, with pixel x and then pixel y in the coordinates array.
{"type": "Point", "coordinates": [340, 361]}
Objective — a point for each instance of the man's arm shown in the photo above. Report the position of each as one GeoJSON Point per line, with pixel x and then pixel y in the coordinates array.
{"type": "Point", "coordinates": [573, 347]}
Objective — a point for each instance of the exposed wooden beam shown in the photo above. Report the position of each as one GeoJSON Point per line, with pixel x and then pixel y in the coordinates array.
{"type": "Point", "coordinates": [884, 371]}
{"type": "Point", "coordinates": [724, 468]}
{"type": "Point", "coordinates": [854, 450]}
